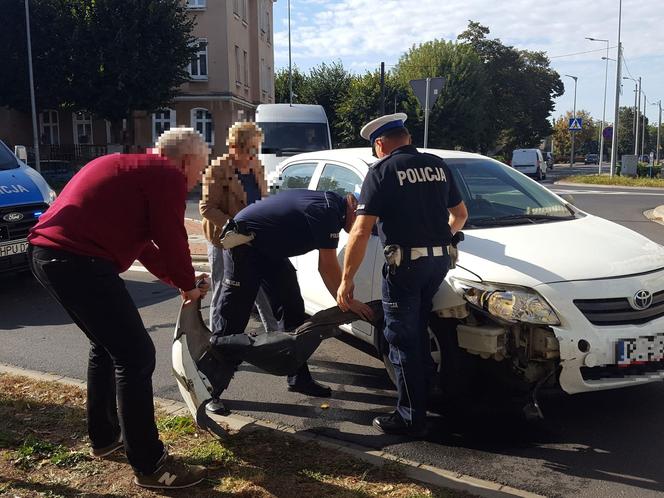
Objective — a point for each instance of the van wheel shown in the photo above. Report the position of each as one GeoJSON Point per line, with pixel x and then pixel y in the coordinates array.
{"type": "Point", "coordinates": [454, 368]}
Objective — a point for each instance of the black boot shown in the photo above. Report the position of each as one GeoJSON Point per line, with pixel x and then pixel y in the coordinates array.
{"type": "Point", "coordinates": [395, 424]}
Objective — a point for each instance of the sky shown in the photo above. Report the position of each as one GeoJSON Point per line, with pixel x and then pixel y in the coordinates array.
{"type": "Point", "coordinates": [362, 33]}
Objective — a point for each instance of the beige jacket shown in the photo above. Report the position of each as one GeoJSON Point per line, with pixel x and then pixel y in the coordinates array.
{"type": "Point", "coordinates": [223, 196]}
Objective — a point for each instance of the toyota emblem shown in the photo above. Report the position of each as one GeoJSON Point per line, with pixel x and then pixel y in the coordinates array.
{"type": "Point", "coordinates": [13, 217]}
{"type": "Point", "coordinates": [642, 299]}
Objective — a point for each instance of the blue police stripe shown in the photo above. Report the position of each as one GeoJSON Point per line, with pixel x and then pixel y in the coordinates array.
{"type": "Point", "coordinates": [387, 126]}
{"type": "Point", "coordinates": [16, 188]}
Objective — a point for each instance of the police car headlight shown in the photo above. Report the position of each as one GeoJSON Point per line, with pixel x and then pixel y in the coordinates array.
{"type": "Point", "coordinates": [511, 304]}
{"type": "Point", "coordinates": [51, 196]}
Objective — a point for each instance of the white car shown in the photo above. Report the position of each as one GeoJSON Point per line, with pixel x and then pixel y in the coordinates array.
{"type": "Point", "coordinates": [542, 292]}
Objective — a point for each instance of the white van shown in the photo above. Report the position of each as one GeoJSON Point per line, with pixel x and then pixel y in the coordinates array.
{"type": "Point", "coordinates": [529, 162]}
{"type": "Point", "coordinates": [289, 130]}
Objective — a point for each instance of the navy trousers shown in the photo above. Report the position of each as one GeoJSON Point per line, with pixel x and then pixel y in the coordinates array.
{"type": "Point", "coordinates": [245, 271]}
{"type": "Point", "coordinates": [407, 304]}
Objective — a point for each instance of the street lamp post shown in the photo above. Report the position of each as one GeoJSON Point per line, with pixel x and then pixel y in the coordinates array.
{"type": "Point", "coordinates": [290, 66]}
{"type": "Point", "coordinates": [571, 156]}
{"type": "Point", "coordinates": [601, 129]}
{"type": "Point", "coordinates": [659, 127]}
{"type": "Point", "coordinates": [643, 132]}
{"type": "Point", "coordinates": [616, 110]}
{"type": "Point", "coordinates": [638, 111]}
{"type": "Point", "coordinates": [35, 132]}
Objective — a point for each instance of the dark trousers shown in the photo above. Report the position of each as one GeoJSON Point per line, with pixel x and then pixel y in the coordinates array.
{"type": "Point", "coordinates": [122, 355]}
{"type": "Point", "coordinates": [245, 270]}
{"type": "Point", "coordinates": [407, 304]}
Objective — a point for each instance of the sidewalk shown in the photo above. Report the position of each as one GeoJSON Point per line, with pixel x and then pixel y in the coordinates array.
{"type": "Point", "coordinates": [197, 241]}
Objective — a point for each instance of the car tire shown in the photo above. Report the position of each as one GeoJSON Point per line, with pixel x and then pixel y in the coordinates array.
{"type": "Point", "coordinates": [455, 368]}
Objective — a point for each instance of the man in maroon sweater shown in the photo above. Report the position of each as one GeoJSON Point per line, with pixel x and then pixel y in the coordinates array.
{"type": "Point", "coordinates": [121, 208]}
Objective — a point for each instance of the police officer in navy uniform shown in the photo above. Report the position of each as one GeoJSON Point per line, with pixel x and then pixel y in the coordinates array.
{"type": "Point", "coordinates": [291, 223]}
{"type": "Point", "coordinates": [415, 200]}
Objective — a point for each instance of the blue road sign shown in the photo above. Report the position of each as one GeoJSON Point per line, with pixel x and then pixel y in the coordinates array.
{"type": "Point", "coordinates": [575, 124]}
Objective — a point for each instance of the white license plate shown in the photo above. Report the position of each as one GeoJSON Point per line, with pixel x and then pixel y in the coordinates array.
{"type": "Point", "coordinates": [13, 249]}
{"type": "Point", "coordinates": [640, 350]}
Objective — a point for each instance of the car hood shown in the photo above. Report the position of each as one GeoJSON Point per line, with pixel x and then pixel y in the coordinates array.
{"type": "Point", "coordinates": [18, 187]}
{"type": "Point", "coordinates": [581, 249]}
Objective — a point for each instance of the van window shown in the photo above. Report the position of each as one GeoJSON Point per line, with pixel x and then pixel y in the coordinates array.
{"type": "Point", "coordinates": [293, 137]}
{"type": "Point", "coordinates": [7, 158]}
{"type": "Point", "coordinates": [339, 179]}
{"type": "Point", "coordinates": [297, 176]}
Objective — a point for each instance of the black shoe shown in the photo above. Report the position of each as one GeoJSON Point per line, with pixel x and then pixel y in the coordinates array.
{"type": "Point", "coordinates": [311, 388]}
{"type": "Point", "coordinates": [394, 424]}
{"type": "Point", "coordinates": [216, 406]}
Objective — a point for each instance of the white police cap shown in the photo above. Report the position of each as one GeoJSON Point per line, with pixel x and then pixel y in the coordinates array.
{"type": "Point", "coordinates": [374, 129]}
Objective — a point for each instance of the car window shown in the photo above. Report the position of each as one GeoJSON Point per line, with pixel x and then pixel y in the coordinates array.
{"type": "Point", "coordinates": [7, 158]}
{"type": "Point", "coordinates": [339, 179]}
{"type": "Point", "coordinates": [492, 190]}
{"type": "Point", "coordinates": [297, 176]}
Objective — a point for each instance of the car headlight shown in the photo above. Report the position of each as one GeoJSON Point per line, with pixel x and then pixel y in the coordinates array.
{"type": "Point", "coordinates": [51, 196]}
{"type": "Point", "coordinates": [512, 304]}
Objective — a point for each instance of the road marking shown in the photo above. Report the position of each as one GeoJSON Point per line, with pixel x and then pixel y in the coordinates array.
{"type": "Point", "coordinates": [603, 192]}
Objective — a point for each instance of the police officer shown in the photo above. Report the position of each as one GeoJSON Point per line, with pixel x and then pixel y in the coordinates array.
{"type": "Point", "coordinates": [288, 224]}
{"type": "Point", "coordinates": [414, 197]}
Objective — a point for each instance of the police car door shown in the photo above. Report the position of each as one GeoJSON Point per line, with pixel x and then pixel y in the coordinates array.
{"type": "Point", "coordinates": [342, 179]}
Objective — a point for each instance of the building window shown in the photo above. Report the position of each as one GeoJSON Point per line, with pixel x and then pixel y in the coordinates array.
{"type": "Point", "coordinates": [243, 4]}
{"type": "Point", "coordinates": [198, 68]}
{"type": "Point", "coordinates": [268, 28]}
{"type": "Point", "coordinates": [162, 120]}
{"type": "Point", "coordinates": [268, 81]}
{"type": "Point", "coordinates": [50, 127]}
{"type": "Point", "coordinates": [246, 69]}
{"type": "Point", "coordinates": [236, 7]}
{"type": "Point", "coordinates": [82, 128]}
{"type": "Point", "coordinates": [238, 69]}
{"type": "Point", "coordinates": [201, 121]}
{"type": "Point", "coordinates": [195, 4]}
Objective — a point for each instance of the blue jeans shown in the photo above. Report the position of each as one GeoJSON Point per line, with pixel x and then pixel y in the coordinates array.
{"type": "Point", "coordinates": [216, 259]}
{"type": "Point", "coordinates": [407, 304]}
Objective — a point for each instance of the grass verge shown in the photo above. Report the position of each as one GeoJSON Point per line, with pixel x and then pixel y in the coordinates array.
{"type": "Point", "coordinates": [43, 452]}
{"type": "Point", "coordinates": [615, 180]}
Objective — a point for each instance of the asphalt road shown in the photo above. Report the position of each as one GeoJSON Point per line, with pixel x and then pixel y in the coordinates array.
{"type": "Point", "coordinates": [602, 444]}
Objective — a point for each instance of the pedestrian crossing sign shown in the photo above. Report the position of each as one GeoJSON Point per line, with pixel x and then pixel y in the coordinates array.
{"type": "Point", "coordinates": [575, 124]}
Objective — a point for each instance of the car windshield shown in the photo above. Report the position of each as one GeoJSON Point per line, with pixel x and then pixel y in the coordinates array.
{"type": "Point", "coordinates": [7, 158]}
{"type": "Point", "coordinates": [291, 138]}
{"type": "Point", "coordinates": [497, 195]}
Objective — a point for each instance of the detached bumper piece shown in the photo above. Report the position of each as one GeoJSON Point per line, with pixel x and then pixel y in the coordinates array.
{"type": "Point", "coordinates": [203, 371]}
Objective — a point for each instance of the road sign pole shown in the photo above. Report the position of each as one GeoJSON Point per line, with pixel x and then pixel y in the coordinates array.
{"type": "Point", "coordinates": [426, 115]}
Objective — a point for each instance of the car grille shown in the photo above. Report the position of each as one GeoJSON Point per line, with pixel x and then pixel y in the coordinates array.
{"type": "Point", "coordinates": [618, 311]}
{"type": "Point", "coordinates": [18, 230]}
{"type": "Point", "coordinates": [654, 369]}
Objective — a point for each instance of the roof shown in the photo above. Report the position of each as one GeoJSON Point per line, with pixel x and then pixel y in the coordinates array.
{"type": "Point", "coordinates": [303, 113]}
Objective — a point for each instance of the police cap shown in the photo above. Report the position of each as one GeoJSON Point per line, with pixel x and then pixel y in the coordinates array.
{"type": "Point", "coordinates": [374, 129]}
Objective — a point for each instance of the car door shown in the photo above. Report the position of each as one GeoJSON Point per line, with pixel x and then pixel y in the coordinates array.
{"type": "Point", "coordinates": [342, 179]}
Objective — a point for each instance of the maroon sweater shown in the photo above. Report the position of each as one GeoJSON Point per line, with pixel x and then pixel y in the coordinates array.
{"type": "Point", "coordinates": [123, 207]}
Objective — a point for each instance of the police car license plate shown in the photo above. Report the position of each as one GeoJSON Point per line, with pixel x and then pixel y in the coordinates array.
{"type": "Point", "coordinates": [640, 350]}
{"type": "Point", "coordinates": [13, 249]}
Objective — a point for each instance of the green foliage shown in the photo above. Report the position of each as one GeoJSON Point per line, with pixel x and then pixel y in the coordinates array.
{"type": "Point", "coordinates": [457, 117]}
{"type": "Point", "coordinates": [211, 452]}
{"type": "Point", "coordinates": [585, 140]}
{"type": "Point", "coordinates": [176, 426]}
{"type": "Point", "coordinates": [34, 451]}
{"type": "Point", "coordinates": [282, 86]}
{"type": "Point", "coordinates": [615, 180]}
{"type": "Point", "coordinates": [108, 57]}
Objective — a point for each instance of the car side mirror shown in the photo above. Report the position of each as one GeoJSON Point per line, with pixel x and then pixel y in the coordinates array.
{"type": "Point", "coordinates": [21, 152]}
{"type": "Point", "coordinates": [569, 198]}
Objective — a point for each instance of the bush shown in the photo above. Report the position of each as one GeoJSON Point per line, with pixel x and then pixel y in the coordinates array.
{"type": "Point", "coordinates": [644, 170]}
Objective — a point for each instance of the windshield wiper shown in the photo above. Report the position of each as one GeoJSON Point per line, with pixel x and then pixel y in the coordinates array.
{"type": "Point", "coordinates": [532, 218]}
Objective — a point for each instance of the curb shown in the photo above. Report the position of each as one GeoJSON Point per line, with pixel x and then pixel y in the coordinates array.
{"type": "Point", "coordinates": [414, 470]}
{"type": "Point", "coordinates": [658, 213]}
{"type": "Point", "coordinates": [608, 187]}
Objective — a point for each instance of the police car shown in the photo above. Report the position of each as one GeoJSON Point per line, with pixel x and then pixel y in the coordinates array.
{"type": "Point", "coordinates": [24, 196]}
{"type": "Point", "coordinates": [543, 293]}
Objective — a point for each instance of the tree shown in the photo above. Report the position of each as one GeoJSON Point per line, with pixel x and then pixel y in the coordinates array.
{"type": "Point", "coordinates": [457, 118]}
{"type": "Point", "coordinates": [585, 140]}
{"type": "Point", "coordinates": [282, 86]}
{"type": "Point", "coordinates": [107, 57]}
{"type": "Point", "coordinates": [522, 88]}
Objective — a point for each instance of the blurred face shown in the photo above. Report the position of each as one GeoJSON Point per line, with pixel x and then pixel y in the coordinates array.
{"type": "Point", "coordinates": [193, 165]}
{"type": "Point", "coordinates": [385, 145]}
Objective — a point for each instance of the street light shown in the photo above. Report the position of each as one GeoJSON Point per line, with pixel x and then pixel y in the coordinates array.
{"type": "Point", "coordinates": [606, 76]}
{"type": "Point", "coordinates": [35, 132]}
{"type": "Point", "coordinates": [637, 111]}
{"type": "Point", "coordinates": [643, 133]}
{"type": "Point", "coordinates": [616, 109]}
{"type": "Point", "coordinates": [571, 156]}
{"type": "Point", "coordinates": [659, 127]}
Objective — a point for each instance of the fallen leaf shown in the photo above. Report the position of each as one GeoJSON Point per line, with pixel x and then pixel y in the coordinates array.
{"type": "Point", "coordinates": [325, 406]}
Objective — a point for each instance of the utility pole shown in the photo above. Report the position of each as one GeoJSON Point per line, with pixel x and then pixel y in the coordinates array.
{"type": "Point", "coordinates": [35, 131]}
{"type": "Point", "coordinates": [659, 127]}
{"type": "Point", "coordinates": [616, 111]}
{"type": "Point", "coordinates": [382, 88]}
{"type": "Point", "coordinates": [290, 66]}
{"type": "Point", "coordinates": [638, 111]}
{"type": "Point", "coordinates": [426, 115]}
{"type": "Point", "coordinates": [643, 134]}
{"type": "Point", "coordinates": [601, 129]}
{"type": "Point", "coordinates": [573, 132]}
